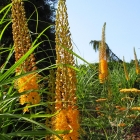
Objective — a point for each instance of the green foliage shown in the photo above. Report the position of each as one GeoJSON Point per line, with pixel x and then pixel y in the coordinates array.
{"type": "Point", "coordinates": [98, 120]}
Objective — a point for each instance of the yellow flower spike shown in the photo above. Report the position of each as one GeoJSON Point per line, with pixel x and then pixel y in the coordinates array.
{"type": "Point", "coordinates": [103, 65]}
{"type": "Point", "coordinates": [65, 76]}
{"type": "Point", "coordinates": [21, 37]}
{"type": "Point", "coordinates": [136, 63]}
{"type": "Point", "coordinates": [22, 44]}
{"type": "Point", "coordinates": [103, 68]}
{"type": "Point", "coordinates": [135, 108]}
{"type": "Point", "coordinates": [68, 118]}
{"type": "Point", "coordinates": [131, 90]}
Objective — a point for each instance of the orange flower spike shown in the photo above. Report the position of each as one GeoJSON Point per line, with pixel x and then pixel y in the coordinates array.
{"type": "Point", "coordinates": [21, 37]}
{"type": "Point", "coordinates": [103, 68]}
{"type": "Point", "coordinates": [65, 78]}
{"type": "Point", "coordinates": [22, 44]}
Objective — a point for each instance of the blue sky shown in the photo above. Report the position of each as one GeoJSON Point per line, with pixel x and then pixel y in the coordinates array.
{"type": "Point", "coordinates": [122, 17]}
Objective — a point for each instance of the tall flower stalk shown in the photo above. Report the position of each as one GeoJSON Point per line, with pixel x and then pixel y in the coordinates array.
{"type": "Point", "coordinates": [103, 65]}
{"type": "Point", "coordinates": [136, 62]}
{"type": "Point", "coordinates": [103, 68]}
{"type": "Point", "coordinates": [68, 117]}
{"type": "Point", "coordinates": [22, 43]}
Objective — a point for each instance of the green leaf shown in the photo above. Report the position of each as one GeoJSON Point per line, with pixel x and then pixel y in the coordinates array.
{"type": "Point", "coordinates": [20, 61]}
{"type": "Point", "coordinates": [8, 115]}
{"type": "Point", "coordinates": [33, 122]}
